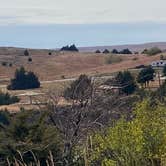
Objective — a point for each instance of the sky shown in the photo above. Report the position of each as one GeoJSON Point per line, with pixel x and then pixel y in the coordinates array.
{"type": "Point", "coordinates": [53, 23]}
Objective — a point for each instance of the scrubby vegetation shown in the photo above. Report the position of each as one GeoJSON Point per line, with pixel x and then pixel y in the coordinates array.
{"type": "Point", "coordinates": [24, 80]}
{"type": "Point", "coordinates": [111, 59]}
{"type": "Point", "coordinates": [97, 127]}
{"type": "Point", "coordinates": [6, 99]}
{"type": "Point", "coordinates": [152, 51]}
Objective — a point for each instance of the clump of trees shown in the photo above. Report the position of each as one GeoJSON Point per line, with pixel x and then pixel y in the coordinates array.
{"type": "Point", "coordinates": [125, 82]}
{"type": "Point", "coordinates": [24, 80]}
{"type": "Point", "coordinates": [69, 48]}
{"type": "Point", "coordinates": [152, 51]}
{"type": "Point", "coordinates": [106, 51]}
{"type": "Point", "coordinates": [114, 51]}
{"type": "Point", "coordinates": [145, 76]}
{"type": "Point", "coordinates": [98, 51]}
{"type": "Point", "coordinates": [79, 89]}
{"type": "Point", "coordinates": [124, 51]}
{"type": "Point", "coordinates": [6, 99]}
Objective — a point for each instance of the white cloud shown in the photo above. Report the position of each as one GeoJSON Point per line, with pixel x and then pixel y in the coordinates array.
{"type": "Point", "coordinates": [81, 11]}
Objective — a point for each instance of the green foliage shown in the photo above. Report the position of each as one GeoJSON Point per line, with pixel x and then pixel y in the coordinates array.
{"type": "Point", "coordinates": [4, 118]}
{"type": "Point", "coordinates": [137, 142]}
{"type": "Point", "coordinates": [80, 89]}
{"type": "Point", "coordinates": [6, 99]}
{"type": "Point", "coordinates": [152, 51]}
{"type": "Point", "coordinates": [28, 132]}
{"type": "Point", "coordinates": [110, 59]}
{"type": "Point", "coordinates": [125, 81]}
{"type": "Point", "coordinates": [145, 75]}
{"type": "Point", "coordinates": [24, 80]}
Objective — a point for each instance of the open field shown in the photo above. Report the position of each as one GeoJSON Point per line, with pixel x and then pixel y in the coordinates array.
{"type": "Point", "coordinates": [56, 71]}
{"type": "Point", "coordinates": [68, 65]}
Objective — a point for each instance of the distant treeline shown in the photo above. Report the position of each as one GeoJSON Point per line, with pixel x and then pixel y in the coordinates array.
{"type": "Point", "coordinates": [115, 51]}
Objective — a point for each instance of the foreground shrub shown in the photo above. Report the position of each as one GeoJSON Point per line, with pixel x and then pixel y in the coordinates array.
{"type": "Point", "coordinates": [137, 142]}
{"type": "Point", "coordinates": [24, 80]}
{"type": "Point", "coordinates": [6, 99]}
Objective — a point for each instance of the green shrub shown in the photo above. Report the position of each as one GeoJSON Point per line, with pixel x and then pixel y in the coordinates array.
{"type": "Point", "coordinates": [6, 99]}
{"type": "Point", "coordinates": [24, 80]}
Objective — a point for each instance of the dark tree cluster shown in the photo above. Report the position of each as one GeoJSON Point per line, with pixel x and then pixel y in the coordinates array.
{"type": "Point", "coordinates": [124, 51]}
{"type": "Point", "coordinates": [106, 51]}
{"type": "Point", "coordinates": [6, 99]}
{"type": "Point", "coordinates": [80, 89]}
{"type": "Point", "coordinates": [24, 80]}
{"type": "Point", "coordinates": [98, 51]}
{"type": "Point", "coordinates": [145, 76]}
{"type": "Point", "coordinates": [126, 82]}
{"type": "Point", "coordinates": [69, 48]}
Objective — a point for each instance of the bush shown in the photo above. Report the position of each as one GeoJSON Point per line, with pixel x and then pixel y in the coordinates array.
{"type": "Point", "coordinates": [106, 51]}
{"type": "Point", "coordinates": [24, 80]}
{"type": "Point", "coordinates": [80, 89]}
{"type": "Point", "coordinates": [145, 75]}
{"type": "Point", "coordinates": [6, 99]}
{"type": "Point", "coordinates": [98, 51]}
{"type": "Point", "coordinates": [114, 51]}
{"type": "Point", "coordinates": [4, 63]}
{"type": "Point", "coordinates": [50, 53]}
{"type": "Point", "coordinates": [113, 59]}
{"type": "Point", "coordinates": [29, 59]}
{"type": "Point", "coordinates": [152, 51]}
{"type": "Point", "coordinates": [138, 142]}
{"type": "Point", "coordinates": [10, 64]}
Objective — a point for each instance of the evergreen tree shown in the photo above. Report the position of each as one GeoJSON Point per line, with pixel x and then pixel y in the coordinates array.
{"type": "Point", "coordinates": [145, 75]}
{"type": "Point", "coordinates": [24, 80]}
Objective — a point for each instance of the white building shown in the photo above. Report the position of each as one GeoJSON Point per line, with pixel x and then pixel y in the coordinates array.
{"type": "Point", "coordinates": [159, 63]}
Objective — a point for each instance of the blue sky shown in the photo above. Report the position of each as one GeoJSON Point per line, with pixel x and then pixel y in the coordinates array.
{"type": "Point", "coordinates": [54, 23]}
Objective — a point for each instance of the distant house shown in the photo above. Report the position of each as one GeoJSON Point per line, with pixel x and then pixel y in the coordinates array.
{"type": "Point", "coordinates": [160, 63]}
